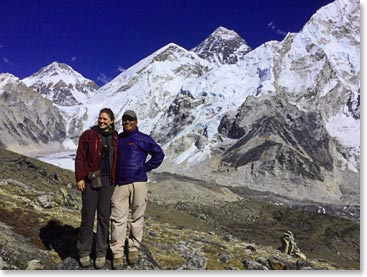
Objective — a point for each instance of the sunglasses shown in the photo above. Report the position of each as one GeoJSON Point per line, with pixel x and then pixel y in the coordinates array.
{"type": "Point", "coordinates": [128, 118]}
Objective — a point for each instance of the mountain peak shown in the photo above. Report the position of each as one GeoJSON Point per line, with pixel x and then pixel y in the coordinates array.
{"type": "Point", "coordinates": [171, 53]}
{"type": "Point", "coordinates": [169, 49]}
{"type": "Point", "coordinates": [7, 78]}
{"type": "Point", "coordinates": [59, 66]}
{"type": "Point", "coordinates": [55, 69]}
{"type": "Point", "coordinates": [223, 46]}
{"type": "Point", "coordinates": [224, 33]}
{"type": "Point", "coordinates": [61, 84]}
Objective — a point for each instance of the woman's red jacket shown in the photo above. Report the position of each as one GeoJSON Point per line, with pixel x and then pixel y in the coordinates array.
{"type": "Point", "coordinates": [88, 155]}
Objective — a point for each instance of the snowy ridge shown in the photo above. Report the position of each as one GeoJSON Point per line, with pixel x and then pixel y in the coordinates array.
{"type": "Point", "coordinates": [149, 86]}
{"type": "Point", "coordinates": [6, 79]}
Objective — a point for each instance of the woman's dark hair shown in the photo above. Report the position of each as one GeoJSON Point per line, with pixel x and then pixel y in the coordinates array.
{"type": "Point", "coordinates": [110, 114]}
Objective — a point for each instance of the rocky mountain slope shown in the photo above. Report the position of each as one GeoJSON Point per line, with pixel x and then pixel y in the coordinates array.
{"type": "Point", "coordinates": [216, 229]}
{"type": "Point", "coordinates": [29, 122]}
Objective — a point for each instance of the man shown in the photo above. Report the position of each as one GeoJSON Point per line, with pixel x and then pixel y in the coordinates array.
{"type": "Point", "coordinates": [131, 190]}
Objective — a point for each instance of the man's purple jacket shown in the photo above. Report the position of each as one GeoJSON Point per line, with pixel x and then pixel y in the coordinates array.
{"type": "Point", "coordinates": [133, 148]}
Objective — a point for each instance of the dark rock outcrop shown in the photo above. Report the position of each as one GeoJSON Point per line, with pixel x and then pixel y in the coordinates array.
{"type": "Point", "coordinates": [274, 134]}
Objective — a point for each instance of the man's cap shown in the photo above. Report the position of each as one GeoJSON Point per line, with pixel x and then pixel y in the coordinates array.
{"type": "Point", "coordinates": [130, 113]}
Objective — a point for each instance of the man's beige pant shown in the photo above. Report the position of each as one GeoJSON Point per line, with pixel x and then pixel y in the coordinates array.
{"type": "Point", "coordinates": [127, 197]}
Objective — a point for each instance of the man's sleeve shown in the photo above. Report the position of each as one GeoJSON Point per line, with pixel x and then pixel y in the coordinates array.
{"type": "Point", "coordinates": [157, 156]}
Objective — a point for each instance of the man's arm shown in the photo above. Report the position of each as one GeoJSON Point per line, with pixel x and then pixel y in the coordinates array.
{"type": "Point", "coordinates": [157, 156]}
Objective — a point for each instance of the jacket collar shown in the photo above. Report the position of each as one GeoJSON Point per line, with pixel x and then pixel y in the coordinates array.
{"type": "Point", "coordinates": [132, 132]}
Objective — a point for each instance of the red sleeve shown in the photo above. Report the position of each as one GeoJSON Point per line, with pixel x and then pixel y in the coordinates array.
{"type": "Point", "coordinates": [81, 170]}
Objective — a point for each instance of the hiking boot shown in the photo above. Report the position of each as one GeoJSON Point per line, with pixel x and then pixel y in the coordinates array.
{"type": "Point", "coordinates": [84, 261]}
{"type": "Point", "coordinates": [117, 263]}
{"type": "Point", "coordinates": [100, 262]}
{"type": "Point", "coordinates": [132, 256]}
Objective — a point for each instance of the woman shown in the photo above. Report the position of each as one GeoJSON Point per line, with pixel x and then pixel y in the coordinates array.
{"type": "Point", "coordinates": [95, 166]}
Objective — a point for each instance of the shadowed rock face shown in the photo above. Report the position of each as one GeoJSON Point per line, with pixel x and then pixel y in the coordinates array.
{"type": "Point", "coordinates": [354, 105]}
{"type": "Point", "coordinates": [222, 47]}
{"type": "Point", "coordinates": [28, 118]}
{"type": "Point", "coordinates": [178, 116]}
{"type": "Point", "coordinates": [61, 94]}
{"type": "Point", "coordinates": [281, 138]}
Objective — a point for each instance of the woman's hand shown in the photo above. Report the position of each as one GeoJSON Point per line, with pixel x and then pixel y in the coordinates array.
{"type": "Point", "coordinates": [81, 185]}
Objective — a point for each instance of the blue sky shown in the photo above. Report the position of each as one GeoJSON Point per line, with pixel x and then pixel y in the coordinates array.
{"type": "Point", "coordinates": [99, 38]}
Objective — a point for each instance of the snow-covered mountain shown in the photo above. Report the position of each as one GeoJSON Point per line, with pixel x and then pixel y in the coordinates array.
{"type": "Point", "coordinates": [284, 117]}
{"type": "Point", "coordinates": [149, 86]}
{"type": "Point", "coordinates": [223, 46]}
{"type": "Point", "coordinates": [313, 71]}
{"type": "Point", "coordinates": [61, 84]}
